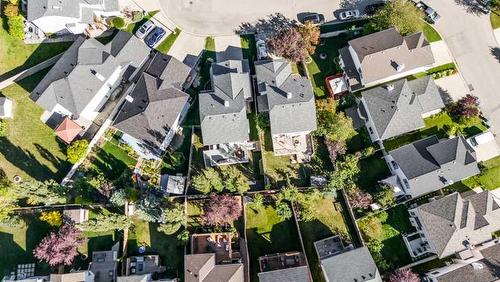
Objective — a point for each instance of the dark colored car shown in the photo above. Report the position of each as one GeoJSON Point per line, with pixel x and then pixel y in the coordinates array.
{"type": "Point", "coordinates": [314, 18]}
{"type": "Point", "coordinates": [155, 36]}
{"type": "Point", "coordinates": [371, 9]}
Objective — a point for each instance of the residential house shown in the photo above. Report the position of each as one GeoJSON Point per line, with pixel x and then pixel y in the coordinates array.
{"type": "Point", "coordinates": [482, 266]}
{"type": "Point", "coordinates": [453, 224]}
{"type": "Point", "coordinates": [87, 75]}
{"type": "Point", "coordinates": [104, 264]}
{"type": "Point", "coordinates": [430, 164]}
{"type": "Point", "coordinates": [384, 56]}
{"type": "Point", "coordinates": [289, 101]}
{"type": "Point", "coordinates": [69, 16]}
{"type": "Point", "coordinates": [5, 107]}
{"type": "Point", "coordinates": [79, 276]}
{"type": "Point", "coordinates": [290, 266]}
{"type": "Point", "coordinates": [223, 114]}
{"type": "Point", "coordinates": [154, 107]}
{"type": "Point", "coordinates": [213, 259]}
{"type": "Point", "coordinates": [345, 263]}
{"type": "Point", "coordinates": [398, 107]}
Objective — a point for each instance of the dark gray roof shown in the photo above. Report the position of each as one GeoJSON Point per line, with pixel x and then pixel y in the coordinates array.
{"type": "Point", "coordinates": [398, 111]}
{"type": "Point", "coordinates": [72, 82]}
{"type": "Point", "coordinates": [293, 274]}
{"type": "Point", "coordinates": [287, 97]}
{"type": "Point", "coordinates": [431, 164]}
{"type": "Point", "coordinates": [453, 219]}
{"type": "Point", "coordinates": [202, 267]}
{"type": "Point", "coordinates": [223, 110]}
{"type": "Point", "coordinates": [68, 8]}
{"type": "Point", "coordinates": [350, 265]}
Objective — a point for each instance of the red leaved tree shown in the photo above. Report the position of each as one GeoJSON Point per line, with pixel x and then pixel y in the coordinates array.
{"type": "Point", "coordinates": [359, 199]}
{"type": "Point", "coordinates": [221, 210]}
{"type": "Point", "coordinates": [404, 275]}
{"type": "Point", "coordinates": [61, 247]}
{"type": "Point", "coordinates": [467, 107]}
{"type": "Point", "coordinates": [288, 44]}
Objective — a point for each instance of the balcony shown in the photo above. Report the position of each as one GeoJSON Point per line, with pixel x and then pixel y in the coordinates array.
{"type": "Point", "coordinates": [417, 244]}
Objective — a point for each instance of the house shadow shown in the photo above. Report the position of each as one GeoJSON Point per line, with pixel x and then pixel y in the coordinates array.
{"type": "Point", "coordinates": [29, 83]}
{"type": "Point", "coordinates": [445, 96]}
{"type": "Point", "coordinates": [495, 51]}
{"type": "Point", "coordinates": [231, 53]}
{"type": "Point", "coordinates": [108, 164]}
{"type": "Point", "coordinates": [271, 24]}
{"type": "Point", "coordinates": [170, 249]}
{"type": "Point", "coordinates": [12, 254]}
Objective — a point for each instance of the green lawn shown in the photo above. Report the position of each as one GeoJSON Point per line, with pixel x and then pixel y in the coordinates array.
{"type": "Point", "coordinates": [30, 148]}
{"type": "Point", "coordinates": [133, 27]}
{"type": "Point", "coordinates": [489, 178]}
{"type": "Point", "coordinates": [495, 19]}
{"type": "Point", "coordinates": [329, 221]}
{"type": "Point", "coordinates": [16, 56]}
{"type": "Point", "coordinates": [430, 33]}
{"type": "Point", "coordinates": [434, 125]}
{"type": "Point", "coordinates": [249, 49]}
{"type": "Point", "coordinates": [433, 70]}
{"type": "Point", "coordinates": [268, 234]}
{"type": "Point", "coordinates": [178, 161]}
{"type": "Point", "coordinates": [112, 160]}
{"type": "Point", "coordinates": [372, 169]}
{"type": "Point", "coordinates": [166, 44]}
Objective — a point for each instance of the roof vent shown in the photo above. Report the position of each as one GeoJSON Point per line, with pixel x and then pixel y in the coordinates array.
{"type": "Point", "coordinates": [389, 87]}
{"type": "Point", "coordinates": [400, 67]}
{"type": "Point", "coordinates": [289, 95]}
{"type": "Point", "coordinates": [129, 98]}
{"type": "Point", "coordinates": [477, 266]}
{"type": "Point", "coordinates": [226, 103]}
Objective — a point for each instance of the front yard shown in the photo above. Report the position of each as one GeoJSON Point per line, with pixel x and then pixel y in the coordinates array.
{"type": "Point", "coordinates": [489, 178]}
{"type": "Point", "coordinates": [167, 43]}
{"type": "Point", "coordinates": [495, 19]}
{"type": "Point", "coordinates": [30, 148]}
{"type": "Point", "coordinates": [430, 33]}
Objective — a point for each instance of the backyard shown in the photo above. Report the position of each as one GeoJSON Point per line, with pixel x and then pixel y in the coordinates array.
{"type": "Point", "coordinates": [41, 156]}
{"type": "Point", "coordinates": [372, 169]}
{"type": "Point", "coordinates": [434, 125]}
{"type": "Point", "coordinates": [489, 178]}
{"type": "Point", "coordinates": [112, 159]}
{"type": "Point", "coordinates": [178, 161]}
{"type": "Point", "coordinates": [329, 221]}
{"type": "Point", "coordinates": [268, 234]}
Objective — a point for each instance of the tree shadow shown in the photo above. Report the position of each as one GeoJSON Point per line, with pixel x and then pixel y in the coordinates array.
{"type": "Point", "coordinates": [12, 254]}
{"type": "Point", "coordinates": [495, 51]}
{"type": "Point", "coordinates": [445, 96]}
{"type": "Point", "coordinates": [170, 250]}
{"type": "Point", "coordinates": [46, 154]}
{"type": "Point", "coordinates": [268, 26]}
{"type": "Point", "coordinates": [108, 164]}
{"type": "Point", "coordinates": [473, 7]}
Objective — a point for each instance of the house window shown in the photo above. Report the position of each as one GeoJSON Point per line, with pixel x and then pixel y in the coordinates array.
{"type": "Point", "coordinates": [370, 129]}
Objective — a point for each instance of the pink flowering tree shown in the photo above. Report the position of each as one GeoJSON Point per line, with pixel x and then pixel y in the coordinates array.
{"type": "Point", "coordinates": [467, 107]}
{"type": "Point", "coordinates": [221, 210]}
{"type": "Point", "coordinates": [404, 275]}
{"type": "Point", "coordinates": [288, 44]}
{"type": "Point", "coordinates": [61, 247]}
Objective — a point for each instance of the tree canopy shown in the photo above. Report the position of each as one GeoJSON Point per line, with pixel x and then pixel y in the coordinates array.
{"type": "Point", "coordinates": [37, 192]}
{"type": "Point", "coordinates": [207, 181]}
{"type": "Point", "coordinates": [61, 247]}
{"type": "Point", "coordinates": [77, 150]}
{"type": "Point", "coordinates": [289, 44]}
{"type": "Point", "coordinates": [401, 14]}
{"type": "Point", "coordinates": [221, 210]}
{"type": "Point", "coordinates": [105, 222]}
{"type": "Point", "coordinates": [345, 173]}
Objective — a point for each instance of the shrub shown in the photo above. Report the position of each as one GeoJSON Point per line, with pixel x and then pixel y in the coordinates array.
{"type": "Point", "coordinates": [11, 10]}
{"type": "Point", "coordinates": [77, 150]}
{"type": "Point", "coordinates": [283, 210]}
{"type": "Point", "coordinates": [3, 128]}
{"type": "Point", "coordinates": [289, 44]}
{"type": "Point", "coordinates": [54, 218]}
{"type": "Point", "coordinates": [465, 109]}
{"type": "Point", "coordinates": [118, 22]}
{"type": "Point", "coordinates": [371, 227]}
{"type": "Point", "coordinates": [16, 26]}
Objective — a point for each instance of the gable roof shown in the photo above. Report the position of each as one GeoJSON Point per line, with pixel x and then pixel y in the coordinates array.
{"type": "Point", "coordinates": [68, 8]}
{"type": "Point", "coordinates": [158, 100]}
{"type": "Point", "coordinates": [386, 53]}
{"type": "Point", "coordinates": [398, 111]}
{"type": "Point", "coordinates": [82, 70]}
{"type": "Point", "coordinates": [452, 220]}
{"type": "Point", "coordinates": [431, 164]}
{"type": "Point", "coordinates": [286, 97]}
{"type": "Point", "coordinates": [202, 267]}
{"type": "Point", "coordinates": [292, 274]}
{"type": "Point", "coordinates": [67, 130]}
{"type": "Point", "coordinates": [351, 265]}
{"type": "Point", "coordinates": [223, 109]}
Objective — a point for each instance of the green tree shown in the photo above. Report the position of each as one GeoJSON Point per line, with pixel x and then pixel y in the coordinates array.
{"type": "Point", "coordinates": [106, 222]}
{"type": "Point", "coordinates": [257, 201]}
{"type": "Point", "coordinates": [311, 35]}
{"type": "Point", "coordinates": [169, 228]}
{"type": "Point", "coordinates": [289, 193]}
{"type": "Point", "coordinates": [401, 14]}
{"type": "Point", "coordinates": [36, 192]}
{"type": "Point", "coordinates": [11, 10]}
{"type": "Point", "coordinates": [183, 237]}
{"type": "Point", "coordinates": [149, 208]}
{"type": "Point", "coordinates": [334, 125]}
{"type": "Point", "coordinates": [119, 198]}
{"type": "Point", "coordinates": [118, 22]}
{"type": "Point", "coordinates": [3, 128]}
{"type": "Point", "coordinates": [208, 180]}
{"type": "Point", "coordinates": [345, 173]}
{"type": "Point", "coordinates": [283, 210]}
{"type": "Point", "coordinates": [16, 26]}
{"type": "Point", "coordinates": [234, 179]}
{"type": "Point", "coordinates": [371, 227]}
{"type": "Point", "coordinates": [385, 195]}
{"type": "Point", "coordinates": [307, 203]}
{"type": "Point", "coordinates": [77, 150]}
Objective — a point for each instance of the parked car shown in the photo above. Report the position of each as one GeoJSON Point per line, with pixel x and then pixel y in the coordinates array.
{"type": "Point", "coordinates": [431, 16]}
{"type": "Point", "coordinates": [145, 29]}
{"type": "Point", "coordinates": [350, 14]}
{"type": "Point", "coordinates": [155, 36]}
{"type": "Point", "coordinates": [315, 18]}
{"type": "Point", "coordinates": [371, 9]}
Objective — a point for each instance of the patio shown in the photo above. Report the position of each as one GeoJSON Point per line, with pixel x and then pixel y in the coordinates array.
{"type": "Point", "coordinates": [226, 154]}
{"type": "Point", "coordinates": [299, 145]}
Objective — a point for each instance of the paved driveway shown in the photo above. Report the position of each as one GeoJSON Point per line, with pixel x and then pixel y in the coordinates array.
{"type": "Point", "coordinates": [223, 17]}
{"type": "Point", "coordinates": [187, 48]}
{"type": "Point", "coordinates": [471, 40]}
{"type": "Point", "coordinates": [228, 48]}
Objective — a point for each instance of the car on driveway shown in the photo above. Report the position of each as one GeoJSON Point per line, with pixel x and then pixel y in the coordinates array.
{"type": "Point", "coordinates": [145, 29]}
{"type": "Point", "coordinates": [155, 37]}
{"type": "Point", "coordinates": [349, 14]}
{"type": "Point", "coordinates": [371, 9]}
{"type": "Point", "coordinates": [315, 18]}
{"type": "Point", "coordinates": [431, 16]}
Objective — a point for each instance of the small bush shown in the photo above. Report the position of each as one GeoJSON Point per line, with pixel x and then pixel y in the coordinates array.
{"type": "Point", "coordinates": [16, 26]}
{"type": "Point", "coordinates": [118, 22]}
{"type": "Point", "coordinates": [54, 218]}
{"type": "Point", "coordinates": [14, 2]}
{"type": "Point", "coordinates": [11, 10]}
{"type": "Point", "coordinates": [77, 150]}
{"type": "Point", "coordinates": [3, 128]}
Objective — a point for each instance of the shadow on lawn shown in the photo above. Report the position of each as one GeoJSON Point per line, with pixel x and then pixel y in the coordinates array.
{"type": "Point", "coordinates": [170, 249]}
{"type": "Point", "coordinates": [12, 254]}
{"type": "Point", "coordinates": [108, 164]}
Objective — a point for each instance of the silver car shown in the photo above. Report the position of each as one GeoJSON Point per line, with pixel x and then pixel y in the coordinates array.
{"type": "Point", "coordinates": [145, 29]}
{"type": "Point", "coordinates": [350, 14]}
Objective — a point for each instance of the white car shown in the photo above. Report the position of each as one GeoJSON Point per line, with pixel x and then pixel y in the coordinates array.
{"type": "Point", "coordinates": [145, 29]}
{"type": "Point", "coordinates": [350, 14]}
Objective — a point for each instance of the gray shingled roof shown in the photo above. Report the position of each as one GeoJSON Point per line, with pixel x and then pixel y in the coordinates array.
{"type": "Point", "coordinates": [400, 110]}
{"type": "Point", "coordinates": [286, 97]}
{"type": "Point", "coordinates": [350, 265]}
{"type": "Point", "coordinates": [67, 8]}
{"type": "Point", "coordinates": [202, 267]}
{"type": "Point", "coordinates": [379, 53]}
{"type": "Point", "coordinates": [223, 110]}
{"type": "Point", "coordinates": [430, 164]}
{"type": "Point", "coordinates": [293, 274]}
{"type": "Point", "coordinates": [158, 100]}
{"type": "Point", "coordinates": [72, 82]}
{"type": "Point", "coordinates": [450, 221]}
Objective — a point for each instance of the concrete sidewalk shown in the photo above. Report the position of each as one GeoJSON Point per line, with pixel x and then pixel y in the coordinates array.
{"type": "Point", "coordinates": [228, 48]}
{"type": "Point", "coordinates": [441, 53]}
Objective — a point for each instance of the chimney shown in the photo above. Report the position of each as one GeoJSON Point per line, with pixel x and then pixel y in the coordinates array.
{"type": "Point", "coordinates": [129, 98]}
{"type": "Point", "coordinates": [289, 95]}
{"type": "Point", "coordinates": [389, 87]}
{"type": "Point", "coordinates": [226, 103]}
{"type": "Point", "coordinates": [400, 67]}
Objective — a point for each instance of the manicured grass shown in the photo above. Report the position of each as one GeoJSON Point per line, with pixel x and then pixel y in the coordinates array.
{"type": "Point", "coordinates": [166, 44]}
{"type": "Point", "coordinates": [178, 161]}
{"type": "Point", "coordinates": [210, 43]}
{"type": "Point", "coordinates": [133, 27]}
{"type": "Point", "coordinates": [16, 56]}
{"type": "Point", "coordinates": [30, 148]}
{"type": "Point", "coordinates": [489, 178]}
{"type": "Point", "coordinates": [268, 234]}
{"type": "Point", "coordinates": [329, 221]}
{"type": "Point", "coordinates": [249, 49]}
{"type": "Point", "coordinates": [194, 212]}
{"type": "Point", "coordinates": [495, 19]}
{"type": "Point", "coordinates": [433, 70]}
{"type": "Point", "coordinates": [434, 125]}
{"type": "Point", "coordinates": [112, 160]}
{"type": "Point", "coordinates": [430, 33]}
